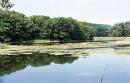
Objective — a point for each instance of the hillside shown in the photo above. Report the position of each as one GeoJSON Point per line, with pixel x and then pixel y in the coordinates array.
{"type": "Point", "coordinates": [100, 30]}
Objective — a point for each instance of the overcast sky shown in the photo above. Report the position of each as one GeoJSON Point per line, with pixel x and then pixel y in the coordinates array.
{"type": "Point", "coordinates": [95, 11]}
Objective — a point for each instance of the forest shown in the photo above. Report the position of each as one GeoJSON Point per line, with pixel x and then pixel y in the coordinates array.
{"type": "Point", "coordinates": [16, 27]}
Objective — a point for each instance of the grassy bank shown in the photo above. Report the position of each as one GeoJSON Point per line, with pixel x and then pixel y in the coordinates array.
{"type": "Point", "coordinates": [37, 41]}
{"type": "Point", "coordinates": [57, 48]}
{"type": "Point", "coordinates": [40, 41]}
{"type": "Point", "coordinates": [45, 46]}
{"type": "Point", "coordinates": [111, 38]}
{"type": "Point", "coordinates": [4, 46]}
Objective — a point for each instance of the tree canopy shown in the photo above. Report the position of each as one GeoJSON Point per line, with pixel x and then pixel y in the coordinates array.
{"type": "Point", "coordinates": [6, 4]}
{"type": "Point", "coordinates": [16, 26]}
{"type": "Point", "coordinates": [101, 30]}
{"type": "Point", "coordinates": [120, 30]}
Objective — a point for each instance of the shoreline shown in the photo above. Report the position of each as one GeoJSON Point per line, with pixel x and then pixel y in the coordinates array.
{"type": "Point", "coordinates": [59, 49]}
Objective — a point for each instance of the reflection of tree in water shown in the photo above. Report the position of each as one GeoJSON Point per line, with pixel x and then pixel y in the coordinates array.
{"type": "Point", "coordinates": [9, 64]}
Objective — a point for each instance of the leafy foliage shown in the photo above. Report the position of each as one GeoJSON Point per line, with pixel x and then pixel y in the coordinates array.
{"type": "Point", "coordinates": [120, 30]}
{"type": "Point", "coordinates": [15, 27]}
{"type": "Point", "coordinates": [6, 4]}
{"type": "Point", "coordinates": [101, 30]}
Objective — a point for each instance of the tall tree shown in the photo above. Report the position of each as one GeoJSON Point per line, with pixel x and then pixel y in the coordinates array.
{"type": "Point", "coordinates": [119, 30]}
{"type": "Point", "coordinates": [87, 30]}
{"type": "Point", "coordinates": [6, 4]}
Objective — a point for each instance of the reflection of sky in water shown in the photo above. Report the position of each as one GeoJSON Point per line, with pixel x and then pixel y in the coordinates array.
{"type": "Point", "coordinates": [83, 70]}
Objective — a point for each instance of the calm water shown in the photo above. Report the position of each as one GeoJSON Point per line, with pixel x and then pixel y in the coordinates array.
{"type": "Point", "coordinates": [42, 68]}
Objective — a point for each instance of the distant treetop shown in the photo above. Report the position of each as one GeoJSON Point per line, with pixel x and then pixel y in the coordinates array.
{"type": "Point", "coordinates": [6, 4]}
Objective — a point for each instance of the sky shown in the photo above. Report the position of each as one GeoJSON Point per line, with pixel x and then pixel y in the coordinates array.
{"type": "Point", "coordinates": [94, 11]}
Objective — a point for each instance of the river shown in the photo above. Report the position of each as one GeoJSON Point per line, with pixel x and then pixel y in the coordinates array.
{"type": "Point", "coordinates": [104, 65]}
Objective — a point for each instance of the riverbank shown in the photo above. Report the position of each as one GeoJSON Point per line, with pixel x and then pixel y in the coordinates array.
{"type": "Point", "coordinates": [57, 48]}
{"type": "Point", "coordinates": [4, 46]}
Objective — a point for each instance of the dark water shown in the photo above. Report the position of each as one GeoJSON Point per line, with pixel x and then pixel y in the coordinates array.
{"type": "Point", "coordinates": [112, 67]}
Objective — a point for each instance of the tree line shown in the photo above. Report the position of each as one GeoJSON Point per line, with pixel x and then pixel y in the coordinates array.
{"type": "Point", "coordinates": [101, 30]}
{"type": "Point", "coordinates": [16, 26]}
{"type": "Point", "coordinates": [120, 29]}
{"type": "Point", "coordinates": [117, 30]}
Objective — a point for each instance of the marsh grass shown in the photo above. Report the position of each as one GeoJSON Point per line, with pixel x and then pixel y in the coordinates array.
{"type": "Point", "coordinates": [43, 41]}
{"type": "Point", "coordinates": [37, 41]}
{"type": "Point", "coordinates": [3, 46]}
{"type": "Point", "coordinates": [39, 45]}
{"type": "Point", "coordinates": [111, 38]}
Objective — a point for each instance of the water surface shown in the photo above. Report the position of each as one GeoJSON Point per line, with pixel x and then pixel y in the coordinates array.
{"type": "Point", "coordinates": [110, 64]}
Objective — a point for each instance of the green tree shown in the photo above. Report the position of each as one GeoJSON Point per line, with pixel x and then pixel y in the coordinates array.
{"type": "Point", "coordinates": [87, 31]}
{"type": "Point", "coordinates": [75, 32]}
{"type": "Point", "coordinates": [37, 26]}
{"type": "Point", "coordinates": [119, 30]}
{"type": "Point", "coordinates": [6, 4]}
{"type": "Point", "coordinates": [15, 27]}
{"type": "Point", "coordinates": [127, 24]}
{"type": "Point", "coordinates": [57, 29]}
{"type": "Point", "coordinates": [66, 29]}
{"type": "Point", "coordinates": [101, 30]}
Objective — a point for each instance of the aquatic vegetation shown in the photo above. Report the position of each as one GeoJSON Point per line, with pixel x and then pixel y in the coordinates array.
{"type": "Point", "coordinates": [111, 38]}
{"type": "Point", "coordinates": [3, 46]}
